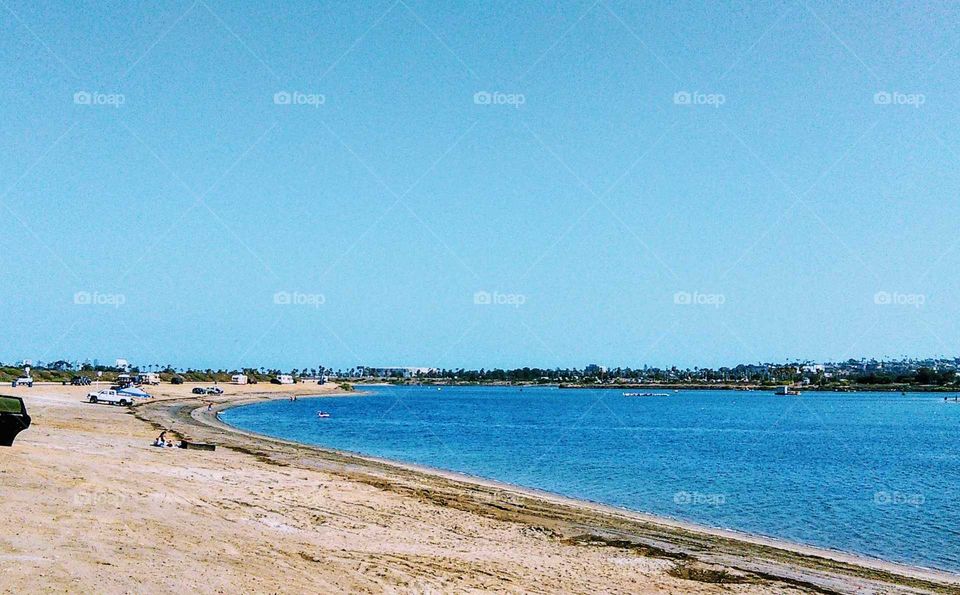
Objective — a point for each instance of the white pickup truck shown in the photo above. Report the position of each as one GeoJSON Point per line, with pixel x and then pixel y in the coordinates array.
{"type": "Point", "coordinates": [110, 397]}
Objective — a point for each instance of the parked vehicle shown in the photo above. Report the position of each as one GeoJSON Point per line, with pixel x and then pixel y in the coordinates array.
{"type": "Point", "coordinates": [210, 390]}
{"type": "Point", "coordinates": [282, 379]}
{"type": "Point", "coordinates": [13, 419]}
{"type": "Point", "coordinates": [148, 378]}
{"type": "Point", "coordinates": [80, 381]}
{"type": "Point", "coordinates": [22, 381]}
{"type": "Point", "coordinates": [110, 397]}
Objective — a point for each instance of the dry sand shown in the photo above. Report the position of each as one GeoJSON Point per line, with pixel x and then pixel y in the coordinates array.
{"type": "Point", "coordinates": [90, 506]}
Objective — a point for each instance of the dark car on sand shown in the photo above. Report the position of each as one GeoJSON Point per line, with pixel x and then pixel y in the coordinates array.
{"type": "Point", "coordinates": [13, 419]}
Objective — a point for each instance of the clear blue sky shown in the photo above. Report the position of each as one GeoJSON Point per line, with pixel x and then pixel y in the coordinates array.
{"type": "Point", "coordinates": [785, 196]}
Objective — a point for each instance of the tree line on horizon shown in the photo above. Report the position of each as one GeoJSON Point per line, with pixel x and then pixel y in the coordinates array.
{"type": "Point", "coordinates": [903, 372]}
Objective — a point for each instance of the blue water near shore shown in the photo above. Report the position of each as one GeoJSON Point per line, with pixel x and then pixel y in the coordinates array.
{"type": "Point", "coordinates": [871, 473]}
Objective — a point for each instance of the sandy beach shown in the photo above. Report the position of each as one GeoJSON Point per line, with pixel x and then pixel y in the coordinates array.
{"type": "Point", "coordinates": [92, 507]}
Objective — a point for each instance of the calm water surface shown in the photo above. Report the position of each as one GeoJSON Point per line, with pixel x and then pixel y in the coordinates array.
{"type": "Point", "coordinates": [871, 473]}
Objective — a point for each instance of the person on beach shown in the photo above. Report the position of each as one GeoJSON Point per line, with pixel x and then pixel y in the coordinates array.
{"type": "Point", "coordinates": [161, 439]}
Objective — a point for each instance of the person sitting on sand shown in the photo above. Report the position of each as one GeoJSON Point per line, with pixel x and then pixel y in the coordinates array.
{"type": "Point", "coordinates": [161, 439]}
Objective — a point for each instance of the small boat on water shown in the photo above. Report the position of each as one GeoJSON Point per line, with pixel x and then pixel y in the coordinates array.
{"type": "Point", "coordinates": [323, 414]}
{"type": "Point", "coordinates": [787, 391]}
{"type": "Point", "coordinates": [646, 394]}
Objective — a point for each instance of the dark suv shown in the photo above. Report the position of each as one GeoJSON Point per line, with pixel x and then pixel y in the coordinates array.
{"type": "Point", "coordinates": [13, 419]}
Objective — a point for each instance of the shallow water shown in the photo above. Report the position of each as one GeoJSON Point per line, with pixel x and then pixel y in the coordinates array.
{"type": "Point", "coordinates": [871, 473]}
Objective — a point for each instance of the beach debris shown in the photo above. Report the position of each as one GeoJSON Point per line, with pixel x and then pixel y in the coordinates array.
{"type": "Point", "coordinates": [197, 445]}
{"type": "Point", "coordinates": [707, 573]}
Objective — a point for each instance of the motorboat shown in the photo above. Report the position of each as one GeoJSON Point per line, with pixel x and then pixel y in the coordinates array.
{"type": "Point", "coordinates": [787, 391]}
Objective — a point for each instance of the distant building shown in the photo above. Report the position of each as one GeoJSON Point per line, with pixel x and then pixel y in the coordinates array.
{"type": "Point", "coordinates": [594, 369]}
{"type": "Point", "coordinates": [396, 371]}
{"type": "Point", "coordinates": [122, 364]}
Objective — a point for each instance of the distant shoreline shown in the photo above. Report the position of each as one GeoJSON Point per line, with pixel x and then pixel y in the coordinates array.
{"type": "Point", "coordinates": [858, 388]}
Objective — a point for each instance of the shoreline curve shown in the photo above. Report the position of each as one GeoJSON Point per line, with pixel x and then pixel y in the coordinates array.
{"type": "Point", "coordinates": [576, 521]}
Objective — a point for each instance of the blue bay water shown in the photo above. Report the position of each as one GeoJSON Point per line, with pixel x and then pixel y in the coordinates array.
{"type": "Point", "coordinates": [871, 473]}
